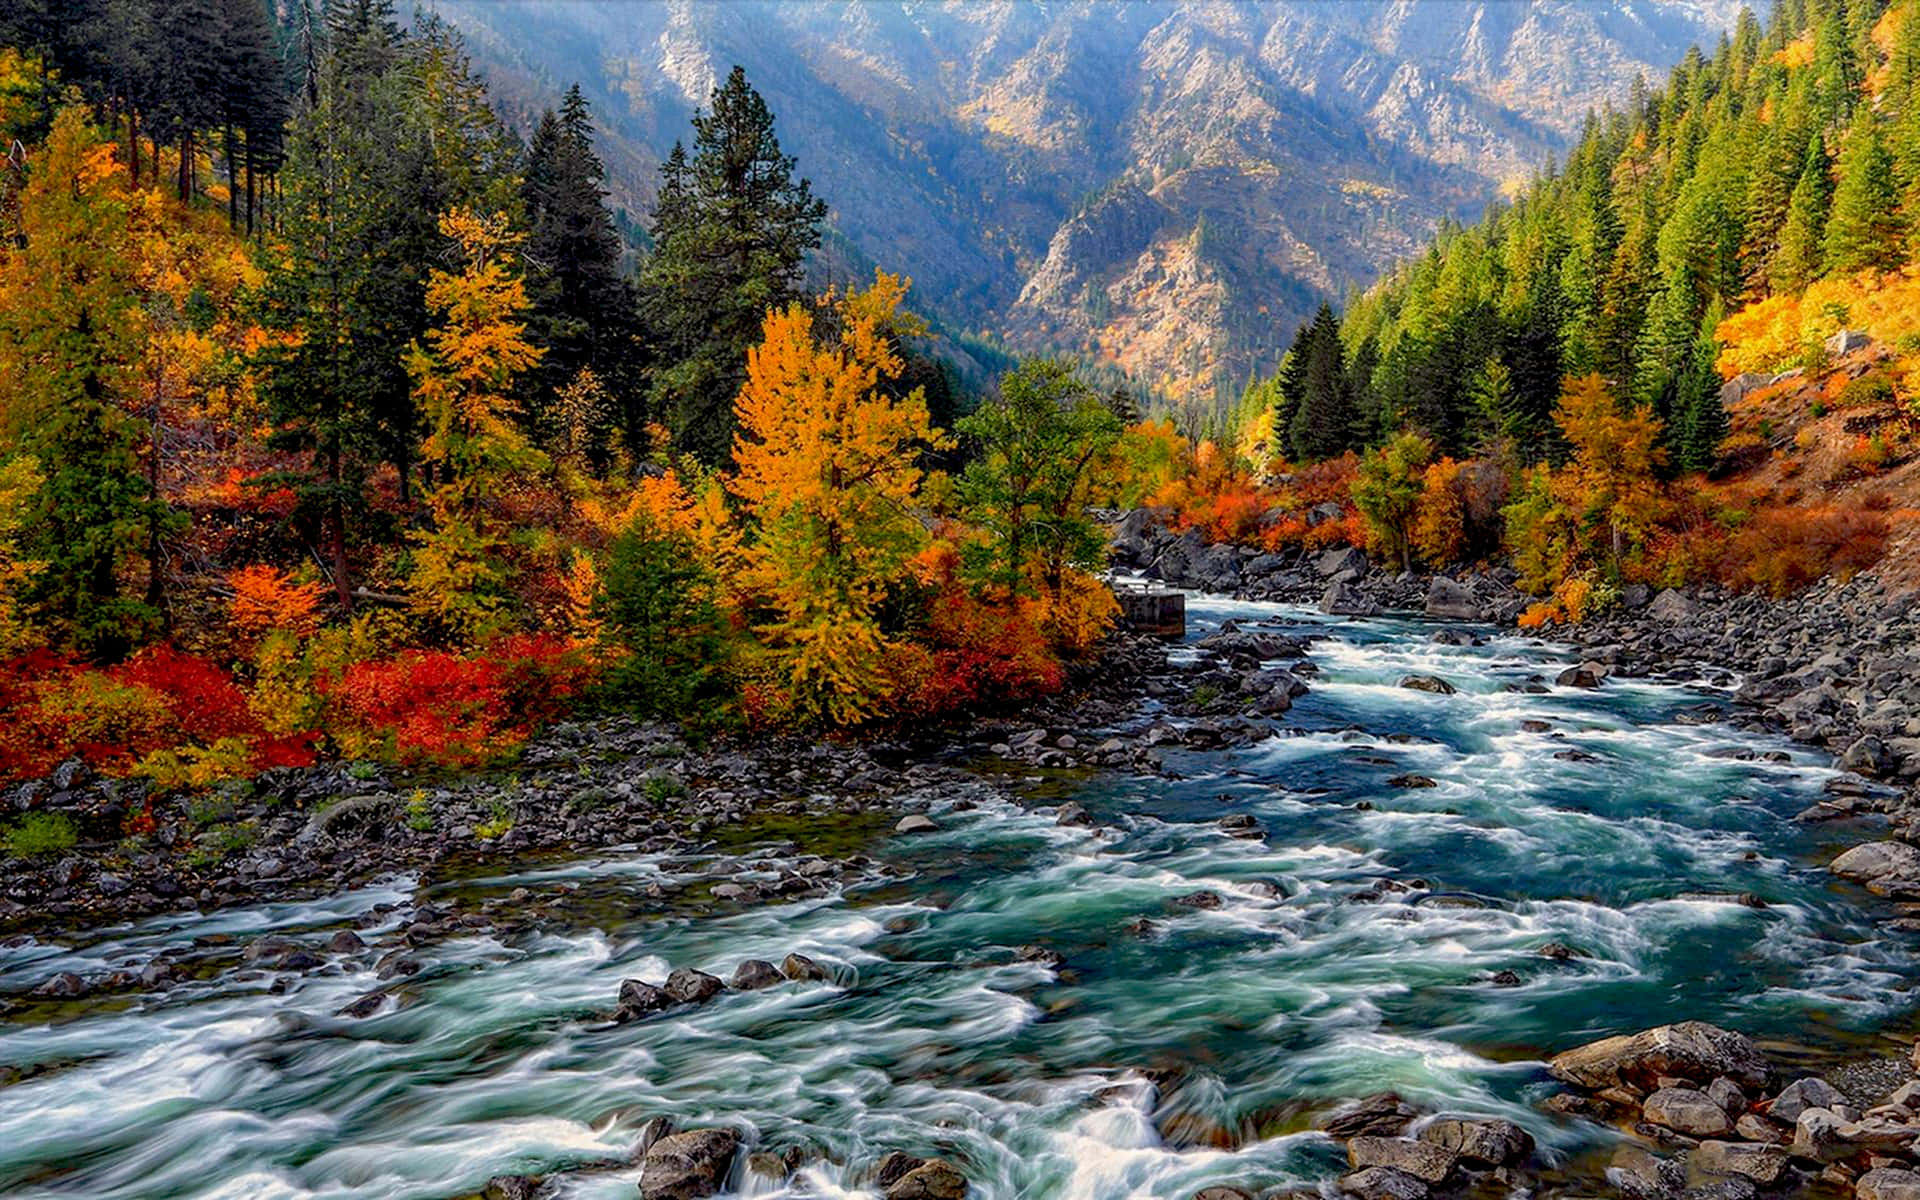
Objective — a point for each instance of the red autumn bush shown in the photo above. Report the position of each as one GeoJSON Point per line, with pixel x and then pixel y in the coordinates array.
{"type": "Point", "coordinates": [982, 657]}
{"type": "Point", "coordinates": [424, 706]}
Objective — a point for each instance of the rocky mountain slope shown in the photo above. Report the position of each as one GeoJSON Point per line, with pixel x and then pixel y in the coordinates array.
{"type": "Point", "coordinates": [1167, 186]}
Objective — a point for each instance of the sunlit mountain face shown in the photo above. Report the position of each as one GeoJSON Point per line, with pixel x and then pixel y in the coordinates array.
{"type": "Point", "coordinates": [1167, 186]}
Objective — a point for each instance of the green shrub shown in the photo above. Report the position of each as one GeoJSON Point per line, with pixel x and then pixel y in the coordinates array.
{"type": "Point", "coordinates": [40, 833]}
{"type": "Point", "coordinates": [1868, 391]}
{"type": "Point", "coordinates": [656, 601]}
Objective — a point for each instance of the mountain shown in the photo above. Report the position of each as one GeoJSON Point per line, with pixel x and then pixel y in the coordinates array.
{"type": "Point", "coordinates": [1171, 187]}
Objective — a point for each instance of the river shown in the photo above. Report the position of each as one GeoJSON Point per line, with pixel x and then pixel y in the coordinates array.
{"type": "Point", "coordinates": [1152, 1062]}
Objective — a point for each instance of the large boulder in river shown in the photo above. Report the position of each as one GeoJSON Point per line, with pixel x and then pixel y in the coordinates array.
{"type": "Point", "coordinates": [638, 998]}
{"type": "Point", "coordinates": [1383, 1183]}
{"type": "Point", "coordinates": [1427, 683]}
{"type": "Point", "coordinates": [1382, 1114]}
{"type": "Point", "coordinates": [906, 1177]}
{"type": "Point", "coordinates": [689, 986]}
{"type": "Point", "coordinates": [1882, 866]}
{"type": "Point", "coordinates": [1345, 600]}
{"type": "Point", "coordinates": [1448, 600]}
{"type": "Point", "coordinates": [688, 1166]}
{"type": "Point", "coordinates": [1690, 1050]}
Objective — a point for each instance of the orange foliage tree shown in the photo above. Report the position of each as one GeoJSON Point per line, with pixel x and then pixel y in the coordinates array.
{"type": "Point", "coordinates": [826, 467]}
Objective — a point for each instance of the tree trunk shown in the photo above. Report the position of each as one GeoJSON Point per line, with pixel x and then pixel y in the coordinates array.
{"type": "Point", "coordinates": [133, 148]}
{"type": "Point", "coordinates": [336, 530]}
{"type": "Point", "coordinates": [233, 180]}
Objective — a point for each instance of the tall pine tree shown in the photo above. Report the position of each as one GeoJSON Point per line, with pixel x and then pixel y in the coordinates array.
{"type": "Point", "coordinates": [731, 234]}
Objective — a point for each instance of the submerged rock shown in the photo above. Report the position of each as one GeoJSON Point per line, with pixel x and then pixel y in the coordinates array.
{"type": "Point", "coordinates": [1382, 1114]}
{"type": "Point", "coordinates": [799, 966]}
{"type": "Point", "coordinates": [916, 823]}
{"type": "Point", "coordinates": [908, 1177]}
{"type": "Point", "coordinates": [1762, 1164]}
{"type": "Point", "coordinates": [1428, 683]}
{"type": "Point", "coordinates": [688, 1166]}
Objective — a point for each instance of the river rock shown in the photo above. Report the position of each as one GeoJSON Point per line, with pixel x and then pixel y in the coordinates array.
{"type": "Point", "coordinates": [1428, 683]}
{"type": "Point", "coordinates": [1493, 1143]}
{"type": "Point", "coordinates": [1689, 1050]}
{"type": "Point", "coordinates": [1762, 1164]}
{"type": "Point", "coordinates": [1383, 1183]}
{"type": "Point", "coordinates": [1672, 608]}
{"type": "Point", "coordinates": [1817, 1135]}
{"type": "Point", "coordinates": [1687, 1111]}
{"type": "Point", "coordinates": [1426, 1161]}
{"type": "Point", "coordinates": [688, 1166]}
{"type": "Point", "coordinates": [1888, 1183]}
{"type": "Point", "coordinates": [1345, 600]}
{"type": "Point", "coordinates": [511, 1187]}
{"type": "Point", "coordinates": [753, 974]}
{"type": "Point", "coordinates": [1585, 675]}
{"type": "Point", "coordinates": [908, 1178]}
{"type": "Point", "coordinates": [1756, 1128]}
{"type": "Point", "coordinates": [638, 998]}
{"type": "Point", "coordinates": [1727, 1094]}
{"type": "Point", "coordinates": [1869, 756]}
{"type": "Point", "coordinates": [1383, 1114]}
{"type": "Point", "coordinates": [1448, 600]}
{"type": "Point", "coordinates": [799, 967]}
{"type": "Point", "coordinates": [915, 823]}
{"type": "Point", "coordinates": [1882, 866]}
{"type": "Point", "coordinates": [688, 986]}
{"type": "Point", "coordinates": [1801, 1095]}
{"type": "Point", "coordinates": [1340, 560]}
{"type": "Point", "coordinates": [1222, 1192]}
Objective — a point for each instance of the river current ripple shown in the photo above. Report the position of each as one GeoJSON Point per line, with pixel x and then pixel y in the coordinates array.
{"type": "Point", "coordinates": [1149, 1064]}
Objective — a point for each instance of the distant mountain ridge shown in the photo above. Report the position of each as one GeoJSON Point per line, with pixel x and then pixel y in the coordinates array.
{"type": "Point", "coordinates": [1167, 186]}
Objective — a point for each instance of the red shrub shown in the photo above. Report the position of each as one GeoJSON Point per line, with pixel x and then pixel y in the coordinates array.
{"type": "Point", "coordinates": [1784, 549]}
{"type": "Point", "coordinates": [983, 657]}
{"type": "Point", "coordinates": [427, 706]}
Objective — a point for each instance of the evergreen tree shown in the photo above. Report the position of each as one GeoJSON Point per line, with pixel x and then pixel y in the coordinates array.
{"type": "Point", "coordinates": [1700, 417]}
{"type": "Point", "coordinates": [1863, 229]}
{"type": "Point", "coordinates": [1799, 259]}
{"type": "Point", "coordinates": [583, 313]}
{"type": "Point", "coordinates": [1323, 424]}
{"type": "Point", "coordinates": [731, 234]}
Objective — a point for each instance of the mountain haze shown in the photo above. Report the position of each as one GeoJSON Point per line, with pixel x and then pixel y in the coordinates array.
{"type": "Point", "coordinates": [1168, 187]}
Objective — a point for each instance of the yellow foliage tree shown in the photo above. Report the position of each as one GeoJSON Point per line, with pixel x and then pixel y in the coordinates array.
{"type": "Point", "coordinates": [826, 469]}
{"type": "Point", "coordinates": [463, 383]}
{"type": "Point", "coordinates": [1440, 515]}
{"type": "Point", "coordinates": [1611, 478]}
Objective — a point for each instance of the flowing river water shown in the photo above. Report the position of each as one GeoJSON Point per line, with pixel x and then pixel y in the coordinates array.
{"type": "Point", "coordinates": [1150, 1064]}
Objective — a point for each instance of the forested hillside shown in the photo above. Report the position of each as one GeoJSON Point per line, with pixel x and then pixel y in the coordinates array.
{"type": "Point", "coordinates": [1695, 244]}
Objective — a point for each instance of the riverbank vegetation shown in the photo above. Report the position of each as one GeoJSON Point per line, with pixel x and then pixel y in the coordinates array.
{"type": "Point", "coordinates": [350, 433]}
{"type": "Point", "coordinates": [1649, 367]}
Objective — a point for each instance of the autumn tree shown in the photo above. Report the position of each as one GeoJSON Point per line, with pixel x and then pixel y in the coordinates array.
{"type": "Point", "coordinates": [1387, 492]}
{"type": "Point", "coordinates": [464, 377]}
{"type": "Point", "coordinates": [827, 471]}
{"type": "Point", "coordinates": [70, 339]}
{"type": "Point", "coordinates": [1611, 478]}
{"type": "Point", "coordinates": [20, 479]}
{"type": "Point", "coordinates": [1028, 487]}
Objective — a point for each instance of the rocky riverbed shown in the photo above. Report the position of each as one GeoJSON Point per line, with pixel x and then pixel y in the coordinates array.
{"type": "Point", "coordinates": [1170, 936]}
